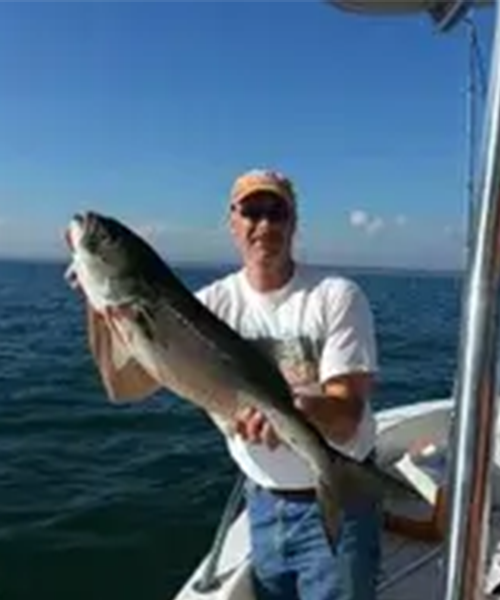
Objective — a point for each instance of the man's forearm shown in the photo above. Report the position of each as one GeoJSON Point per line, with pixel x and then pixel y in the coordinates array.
{"type": "Point", "coordinates": [336, 417]}
{"type": "Point", "coordinates": [344, 418]}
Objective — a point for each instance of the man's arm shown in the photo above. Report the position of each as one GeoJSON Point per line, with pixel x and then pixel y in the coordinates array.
{"type": "Point", "coordinates": [336, 411]}
{"type": "Point", "coordinates": [346, 367]}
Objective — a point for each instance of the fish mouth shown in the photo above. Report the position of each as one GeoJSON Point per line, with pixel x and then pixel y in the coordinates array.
{"type": "Point", "coordinates": [77, 229]}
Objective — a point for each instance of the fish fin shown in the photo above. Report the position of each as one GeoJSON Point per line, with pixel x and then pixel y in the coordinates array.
{"type": "Point", "coordinates": [123, 377]}
{"type": "Point", "coordinates": [327, 495]}
{"type": "Point", "coordinates": [343, 484]}
{"type": "Point", "coordinates": [366, 478]}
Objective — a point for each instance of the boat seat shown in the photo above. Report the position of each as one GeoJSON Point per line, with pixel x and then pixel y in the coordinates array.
{"type": "Point", "coordinates": [423, 466]}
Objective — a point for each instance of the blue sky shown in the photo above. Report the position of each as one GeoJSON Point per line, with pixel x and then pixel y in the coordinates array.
{"type": "Point", "coordinates": [147, 111]}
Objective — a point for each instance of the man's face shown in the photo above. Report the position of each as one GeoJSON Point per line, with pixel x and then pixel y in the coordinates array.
{"type": "Point", "coordinates": [263, 225]}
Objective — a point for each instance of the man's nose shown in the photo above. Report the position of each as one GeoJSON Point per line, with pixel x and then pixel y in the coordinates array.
{"type": "Point", "coordinates": [264, 222]}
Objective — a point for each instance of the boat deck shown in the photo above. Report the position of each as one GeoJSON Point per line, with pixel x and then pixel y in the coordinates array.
{"type": "Point", "coordinates": [410, 568]}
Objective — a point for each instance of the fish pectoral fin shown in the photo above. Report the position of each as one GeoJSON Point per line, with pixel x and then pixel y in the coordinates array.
{"type": "Point", "coordinates": [122, 375]}
{"type": "Point", "coordinates": [130, 383]}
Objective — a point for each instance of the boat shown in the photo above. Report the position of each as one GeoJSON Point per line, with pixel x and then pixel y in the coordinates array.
{"type": "Point", "coordinates": [439, 446]}
{"type": "Point", "coordinates": [410, 567]}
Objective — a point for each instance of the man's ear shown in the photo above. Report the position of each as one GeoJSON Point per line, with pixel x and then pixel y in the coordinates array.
{"type": "Point", "coordinates": [230, 222]}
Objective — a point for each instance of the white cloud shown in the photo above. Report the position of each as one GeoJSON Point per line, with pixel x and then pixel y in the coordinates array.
{"type": "Point", "coordinates": [369, 224]}
{"type": "Point", "coordinates": [373, 224]}
{"type": "Point", "coordinates": [176, 242]}
{"type": "Point", "coordinates": [359, 218]}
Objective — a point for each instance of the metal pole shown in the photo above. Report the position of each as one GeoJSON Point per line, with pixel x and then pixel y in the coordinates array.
{"type": "Point", "coordinates": [471, 131]}
{"type": "Point", "coordinates": [448, 13]}
{"type": "Point", "coordinates": [471, 454]}
{"type": "Point", "coordinates": [476, 85]}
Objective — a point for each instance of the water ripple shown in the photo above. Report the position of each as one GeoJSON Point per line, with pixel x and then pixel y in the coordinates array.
{"type": "Point", "coordinates": [102, 501]}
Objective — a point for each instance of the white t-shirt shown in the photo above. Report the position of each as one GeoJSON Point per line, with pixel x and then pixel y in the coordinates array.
{"type": "Point", "coordinates": [314, 328]}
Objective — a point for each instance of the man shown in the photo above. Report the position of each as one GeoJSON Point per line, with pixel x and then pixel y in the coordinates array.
{"type": "Point", "coordinates": [320, 331]}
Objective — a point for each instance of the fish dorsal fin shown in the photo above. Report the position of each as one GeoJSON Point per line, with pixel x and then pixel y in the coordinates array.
{"type": "Point", "coordinates": [124, 379]}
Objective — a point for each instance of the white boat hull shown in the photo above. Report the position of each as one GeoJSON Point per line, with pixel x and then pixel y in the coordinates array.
{"type": "Point", "coordinates": [409, 568]}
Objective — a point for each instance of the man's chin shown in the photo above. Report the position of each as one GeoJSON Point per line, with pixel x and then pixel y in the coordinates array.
{"type": "Point", "coordinates": [268, 258]}
{"type": "Point", "coordinates": [264, 253]}
{"type": "Point", "coordinates": [267, 249]}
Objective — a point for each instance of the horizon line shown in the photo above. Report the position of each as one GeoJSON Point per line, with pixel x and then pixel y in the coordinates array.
{"type": "Point", "coordinates": [53, 260]}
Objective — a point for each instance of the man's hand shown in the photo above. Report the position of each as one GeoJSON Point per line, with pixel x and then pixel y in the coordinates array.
{"type": "Point", "coordinates": [335, 408]}
{"type": "Point", "coordinates": [253, 427]}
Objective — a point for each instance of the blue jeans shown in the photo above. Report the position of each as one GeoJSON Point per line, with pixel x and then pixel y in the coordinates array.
{"type": "Point", "coordinates": [292, 558]}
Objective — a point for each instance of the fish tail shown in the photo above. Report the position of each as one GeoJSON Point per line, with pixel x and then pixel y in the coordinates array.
{"type": "Point", "coordinates": [327, 494]}
{"type": "Point", "coordinates": [345, 482]}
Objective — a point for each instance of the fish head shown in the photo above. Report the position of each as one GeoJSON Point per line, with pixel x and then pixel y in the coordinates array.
{"type": "Point", "coordinates": [108, 259]}
{"type": "Point", "coordinates": [100, 239]}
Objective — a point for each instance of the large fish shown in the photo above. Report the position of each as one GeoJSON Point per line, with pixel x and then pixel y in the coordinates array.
{"type": "Point", "coordinates": [148, 331]}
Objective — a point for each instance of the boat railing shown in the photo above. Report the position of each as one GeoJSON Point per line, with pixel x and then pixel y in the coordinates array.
{"type": "Point", "coordinates": [209, 580]}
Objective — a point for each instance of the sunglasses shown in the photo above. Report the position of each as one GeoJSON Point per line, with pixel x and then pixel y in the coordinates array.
{"type": "Point", "coordinates": [276, 212]}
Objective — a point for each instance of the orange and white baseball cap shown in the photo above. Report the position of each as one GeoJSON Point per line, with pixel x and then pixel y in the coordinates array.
{"type": "Point", "coordinates": [261, 180]}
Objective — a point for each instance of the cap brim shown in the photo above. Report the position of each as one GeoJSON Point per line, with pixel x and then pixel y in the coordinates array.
{"type": "Point", "coordinates": [259, 189]}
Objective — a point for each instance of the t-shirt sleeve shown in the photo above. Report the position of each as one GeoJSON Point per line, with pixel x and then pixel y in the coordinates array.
{"type": "Point", "coordinates": [203, 294]}
{"type": "Point", "coordinates": [350, 344]}
{"type": "Point", "coordinates": [210, 295]}
{"type": "Point", "coordinates": [213, 297]}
